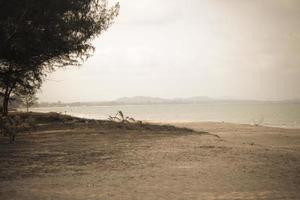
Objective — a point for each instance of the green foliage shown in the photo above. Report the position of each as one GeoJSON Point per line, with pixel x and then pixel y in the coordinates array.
{"type": "Point", "coordinates": [38, 35]}
{"type": "Point", "coordinates": [56, 32]}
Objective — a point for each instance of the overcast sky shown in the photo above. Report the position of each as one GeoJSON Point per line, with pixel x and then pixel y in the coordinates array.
{"type": "Point", "coordinates": [244, 49]}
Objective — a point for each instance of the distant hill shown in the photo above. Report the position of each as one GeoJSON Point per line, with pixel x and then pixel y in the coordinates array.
{"type": "Point", "coordinates": [141, 100]}
{"type": "Point", "coordinates": [157, 100]}
{"type": "Point", "coordinates": [144, 100]}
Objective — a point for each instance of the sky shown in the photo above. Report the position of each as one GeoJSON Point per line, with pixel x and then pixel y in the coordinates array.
{"type": "Point", "coordinates": [239, 49]}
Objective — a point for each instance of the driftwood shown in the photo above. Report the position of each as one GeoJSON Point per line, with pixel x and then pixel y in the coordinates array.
{"type": "Point", "coordinates": [120, 117]}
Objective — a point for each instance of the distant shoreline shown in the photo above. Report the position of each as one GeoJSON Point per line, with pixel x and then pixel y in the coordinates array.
{"type": "Point", "coordinates": [43, 105]}
{"type": "Point", "coordinates": [83, 116]}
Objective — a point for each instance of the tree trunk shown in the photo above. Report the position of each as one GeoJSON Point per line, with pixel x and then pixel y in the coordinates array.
{"type": "Point", "coordinates": [6, 101]}
{"type": "Point", "coordinates": [5, 105]}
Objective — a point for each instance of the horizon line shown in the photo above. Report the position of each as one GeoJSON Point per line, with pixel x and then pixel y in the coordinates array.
{"type": "Point", "coordinates": [173, 99]}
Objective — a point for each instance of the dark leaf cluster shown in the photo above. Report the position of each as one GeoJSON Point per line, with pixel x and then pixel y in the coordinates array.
{"type": "Point", "coordinates": [38, 35]}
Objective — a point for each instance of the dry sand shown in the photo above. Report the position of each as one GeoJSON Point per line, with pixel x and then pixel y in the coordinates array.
{"type": "Point", "coordinates": [245, 162]}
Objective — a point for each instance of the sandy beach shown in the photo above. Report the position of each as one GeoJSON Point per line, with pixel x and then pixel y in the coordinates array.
{"type": "Point", "coordinates": [149, 100]}
{"type": "Point", "coordinates": [99, 160]}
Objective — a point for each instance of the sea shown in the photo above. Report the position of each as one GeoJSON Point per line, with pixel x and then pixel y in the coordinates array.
{"type": "Point", "coordinates": [286, 115]}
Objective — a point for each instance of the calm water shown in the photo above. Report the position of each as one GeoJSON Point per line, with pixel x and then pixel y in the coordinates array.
{"type": "Point", "coordinates": [273, 114]}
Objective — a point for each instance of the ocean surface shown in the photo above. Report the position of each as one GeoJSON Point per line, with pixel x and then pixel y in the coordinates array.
{"type": "Point", "coordinates": [268, 114]}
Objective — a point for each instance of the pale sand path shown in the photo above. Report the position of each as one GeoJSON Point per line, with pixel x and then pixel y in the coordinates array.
{"type": "Point", "coordinates": [247, 162]}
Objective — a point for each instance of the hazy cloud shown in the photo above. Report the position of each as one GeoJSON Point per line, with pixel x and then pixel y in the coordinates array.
{"type": "Point", "coordinates": [172, 48]}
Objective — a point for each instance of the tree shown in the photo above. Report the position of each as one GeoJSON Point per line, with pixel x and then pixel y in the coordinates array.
{"type": "Point", "coordinates": [29, 100]}
{"type": "Point", "coordinates": [36, 36]}
{"type": "Point", "coordinates": [15, 80]}
{"type": "Point", "coordinates": [27, 97]}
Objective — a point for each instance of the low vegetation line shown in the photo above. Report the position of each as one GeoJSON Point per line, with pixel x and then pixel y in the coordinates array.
{"type": "Point", "coordinates": [19, 122]}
